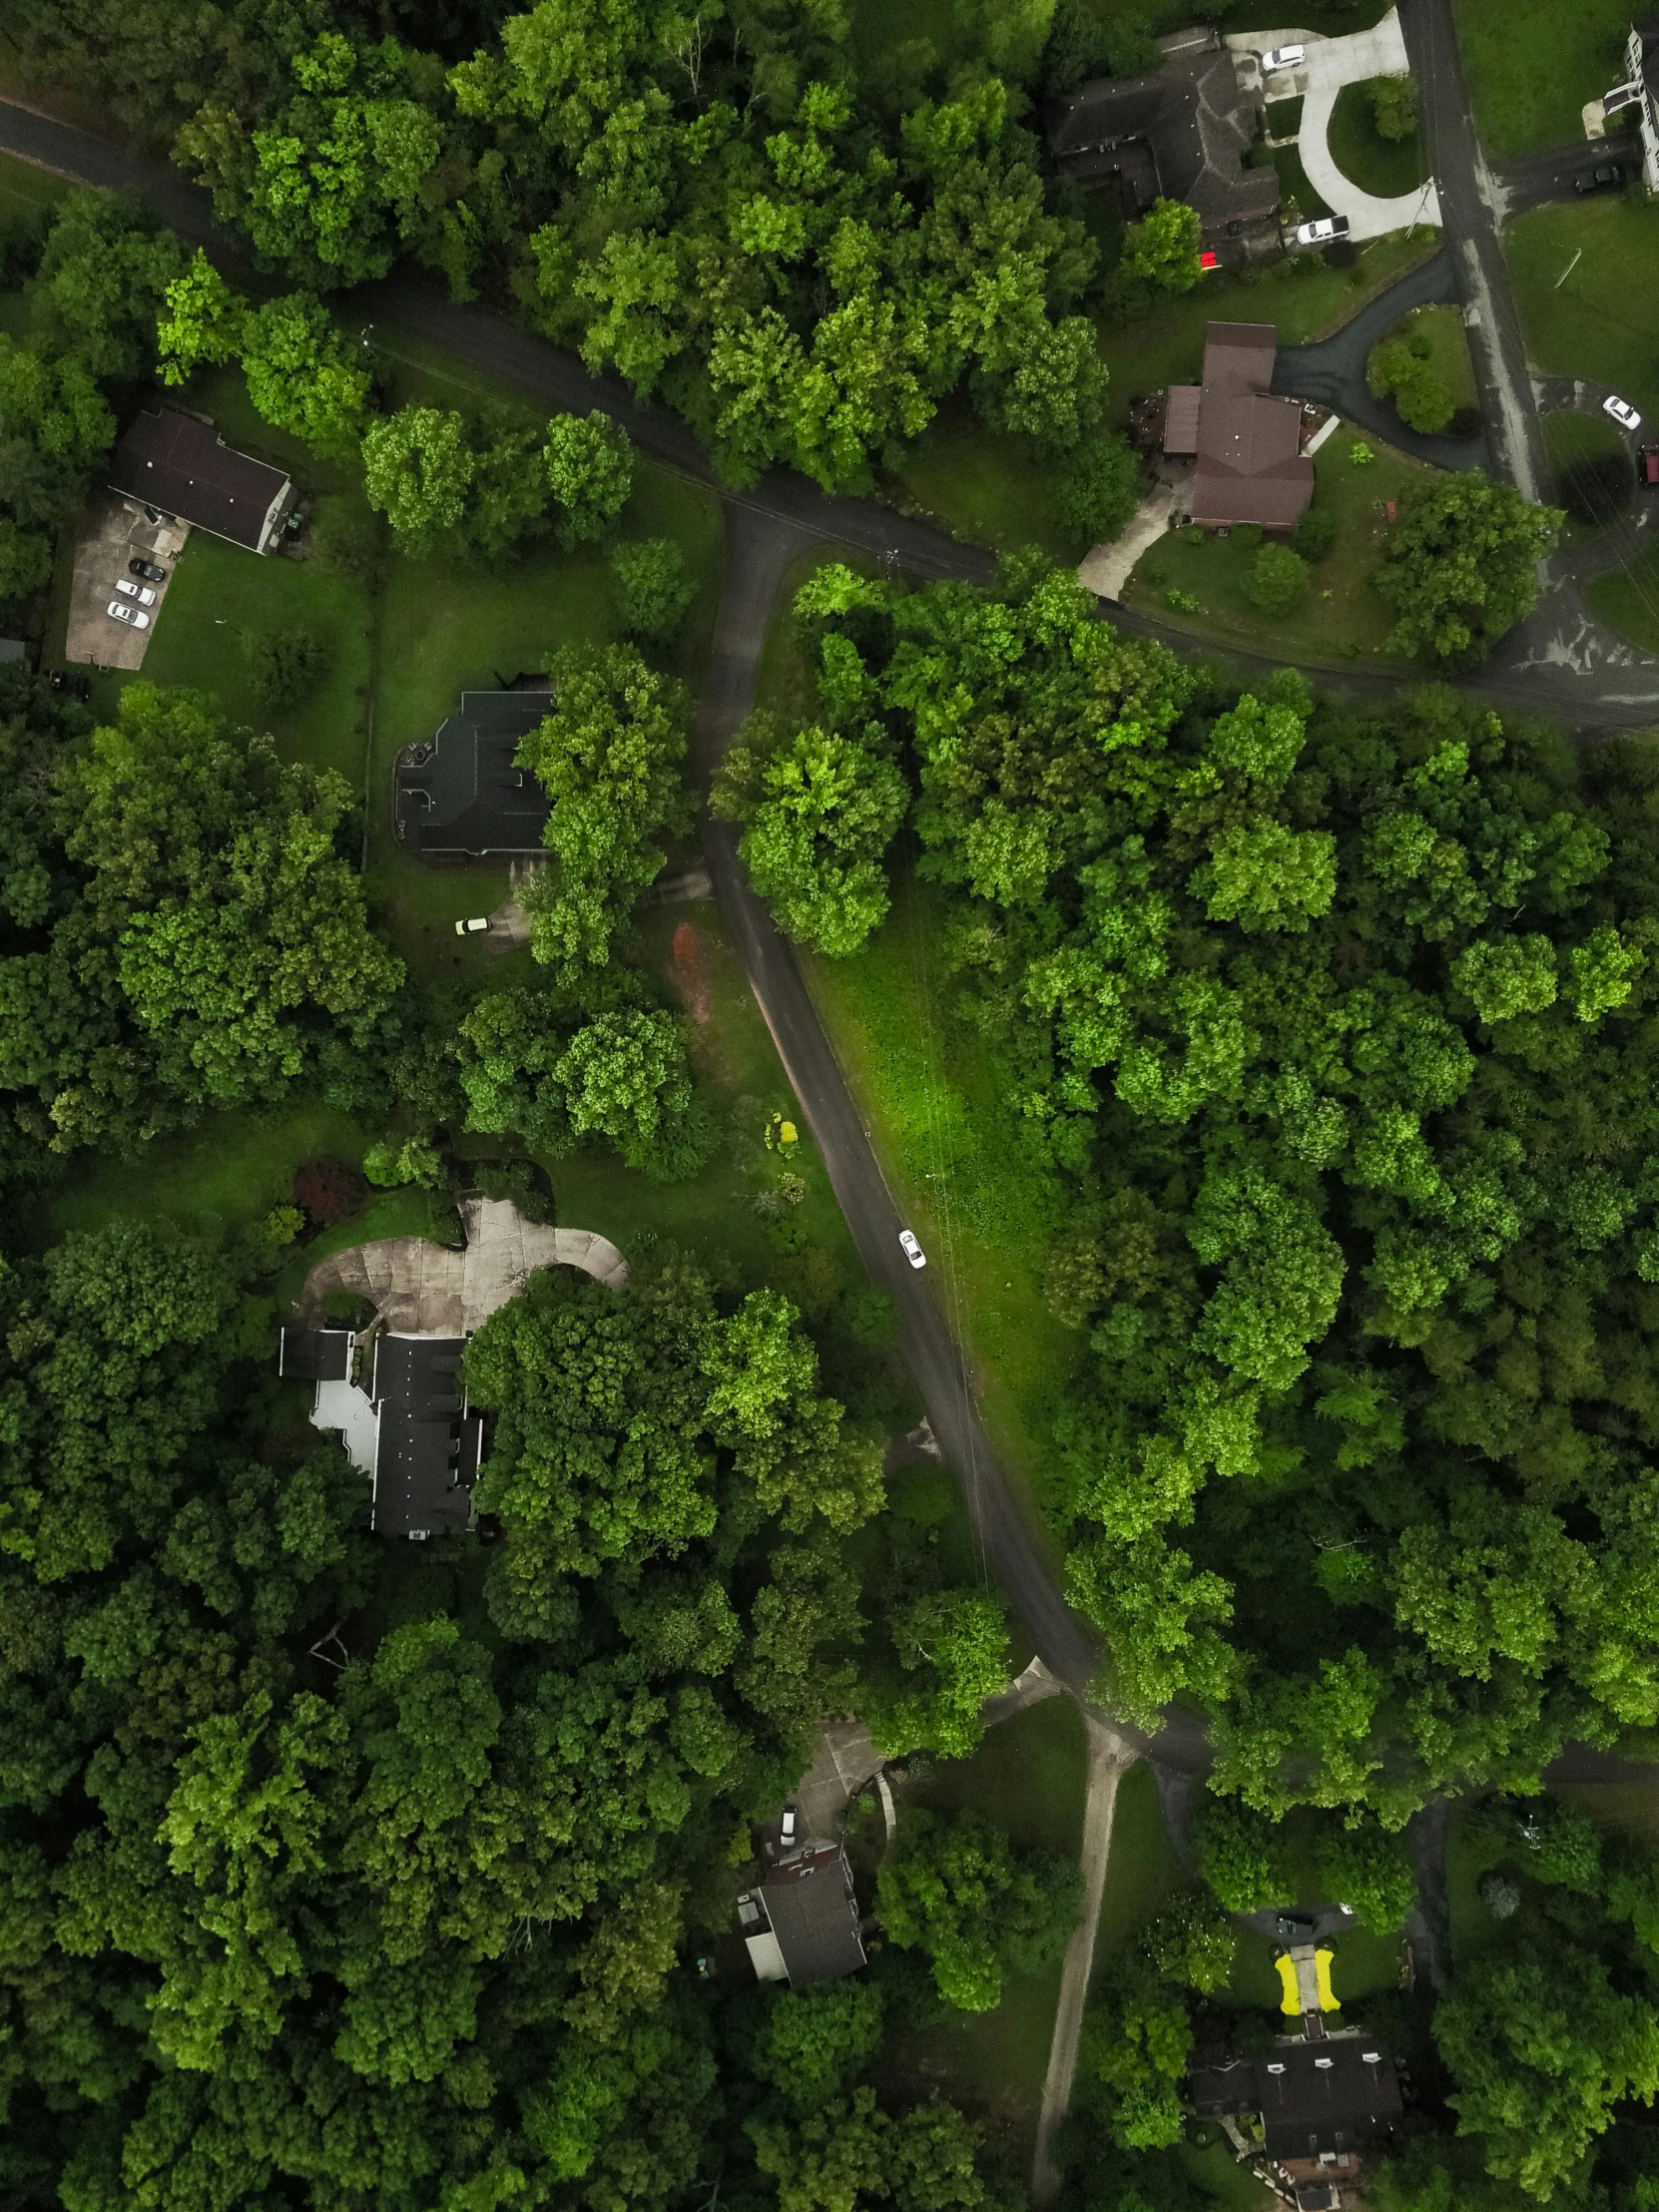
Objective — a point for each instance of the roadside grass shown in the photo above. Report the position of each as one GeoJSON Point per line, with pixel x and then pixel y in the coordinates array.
{"type": "Point", "coordinates": [1142, 1872]}
{"type": "Point", "coordinates": [1448, 349]}
{"type": "Point", "coordinates": [1534, 64]}
{"type": "Point", "coordinates": [26, 192]}
{"type": "Point", "coordinates": [1628, 601]}
{"type": "Point", "coordinates": [1571, 438]}
{"type": "Point", "coordinates": [1218, 2173]}
{"type": "Point", "coordinates": [1342, 618]}
{"type": "Point", "coordinates": [1385, 168]}
{"type": "Point", "coordinates": [1303, 296]}
{"type": "Point", "coordinates": [982, 485]}
{"type": "Point", "coordinates": [960, 1163]}
{"type": "Point", "coordinates": [788, 683]}
{"type": "Point", "coordinates": [1597, 317]}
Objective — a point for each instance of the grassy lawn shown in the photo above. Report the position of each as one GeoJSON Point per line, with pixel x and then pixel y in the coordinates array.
{"type": "Point", "coordinates": [982, 1207]}
{"type": "Point", "coordinates": [1298, 192]}
{"type": "Point", "coordinates": [1283, 116]}
{"type": "Point", "coordinates": [981, 486]}
{"type": "Point", "coordinates": [1303, 296]}
{"type": "Point", "coordinates": [1143, 1869]}
{"type": "Point", "coordinates": [1570, 439]}
{"type": "Point", "coordinates": [1629, 601]}
{"type": "Point", "coordinates": [1385, 168]}
{"type": "Point", "coordinates": [1532, 65]}
{"type": "Point", "coordinates": [1342, 617]}
{"type": "Point", "coordinates": [1597, 317]}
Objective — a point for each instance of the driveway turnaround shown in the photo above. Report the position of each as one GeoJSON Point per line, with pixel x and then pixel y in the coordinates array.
{"type": "Point", "coordinates": [1331, 63]}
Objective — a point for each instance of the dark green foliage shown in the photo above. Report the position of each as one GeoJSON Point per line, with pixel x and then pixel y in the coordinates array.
{"type": "Point", "coordinates": [656, 591]}
{"type": "Point", "coordinates": [1394, 103]}
{"type": "Point", "coordinates": [1459, 566]}
{"type": "Point", "coordinates": [1098, 489]}
{"type": "Point", "coordinates": [1314, 536]}
{"type": "Point", "coordinates": [1402, 369]}
{"type": "Point", "coordinates": [1278, 580]}
{"type": "Point", "coordinates": [1369, 1869]}
{"type": "Point", "coordinates": [957, 1890]}
{"type": "Point", "coordinates": [1238, 1855]}
{"type": "Point", "coordinates": [286, 664]}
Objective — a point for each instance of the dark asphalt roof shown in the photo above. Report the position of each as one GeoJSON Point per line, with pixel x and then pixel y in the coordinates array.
{"type": "Point", "coordinates": [316, 1355]}
{"type": "Point", "coordinates": [182, 467]}
{"type": "Point", "coordinates": [1251, 467]}
{"type": "Point", "coordinates": [427, 1455]}
{"type": "Point", "coordinates": [811, 1906]}
{"type": "Point", "coordinates": [459, 792]}
{"type": "Point", "coordinates": [1333, 2094]}
{"type": "Point", "coordinates": [1197, 123]}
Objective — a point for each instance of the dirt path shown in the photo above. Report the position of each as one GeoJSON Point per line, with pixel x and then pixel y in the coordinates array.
{"type": "Point", "coordinates": [1109, 1759]}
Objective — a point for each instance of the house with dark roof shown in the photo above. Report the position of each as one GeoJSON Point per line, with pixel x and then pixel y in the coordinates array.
{"type": "Point", "coordinates": [802, 1925]}
{"type": "Point", "coordinates": [460, 794]}
{"type": "Point", "coordinates": [1247, 442]}
{"type": "Point", "coordinates": [400, 1404]}
{"type": "Point", "coordinates": [1182, 132]}
{"type": "Point", "coordinates": [1322, 2102]}
{"type": "Point", "coordinates": [180, 466]}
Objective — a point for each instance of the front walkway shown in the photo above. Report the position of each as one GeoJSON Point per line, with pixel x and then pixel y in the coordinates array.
{"type": "Point", "coordinates": [1333, 62]}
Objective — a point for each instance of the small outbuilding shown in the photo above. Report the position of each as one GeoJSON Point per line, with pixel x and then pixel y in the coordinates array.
{"type": "Point", "coordinates": [460, 794]}
{"type": "Point", "coordinates": [178, 467]}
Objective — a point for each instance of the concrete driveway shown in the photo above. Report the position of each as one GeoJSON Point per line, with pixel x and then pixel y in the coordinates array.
{"type": "Point", "coordinates": [113, 532]}
{"type": "Point", "coordinates": [1331, 63]}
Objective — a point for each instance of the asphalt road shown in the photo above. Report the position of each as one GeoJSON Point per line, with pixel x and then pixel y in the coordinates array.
{"type": "Point", "coordinates": [1541, 179]}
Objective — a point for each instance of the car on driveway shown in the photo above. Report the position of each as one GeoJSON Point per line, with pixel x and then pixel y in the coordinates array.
{"type": "Point", "coordinates": [1283, 57]}
{"type": "Point", "coordinates": [1647, 466]}
{"type": "Point", "coordinates": [141, 592]}
{"type": "Point", "coordinates": [911, 1250]}
{"type": "Point", "coordinates": [1321, 232]}
{"type": "Point", "coordinates": [1622, 412]}
{"type": "Point", "coordinates": [473, 927]}
{"type": "Point", "coordinates": [135, 617]}
{"type": "Point", "coordinates": [149, 571]}
{"type": "Point", "coordinates": [1605, 176]}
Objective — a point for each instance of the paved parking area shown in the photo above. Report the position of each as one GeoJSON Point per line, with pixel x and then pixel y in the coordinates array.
{"type": "Point", "coordinates": [114, 531]}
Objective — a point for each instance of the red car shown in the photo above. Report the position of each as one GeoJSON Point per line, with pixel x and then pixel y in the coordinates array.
{"type": "Point", "coordinates": [1647, 465]}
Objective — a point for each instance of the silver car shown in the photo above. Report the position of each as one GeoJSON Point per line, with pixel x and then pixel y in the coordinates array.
{"type": "Point", "coordinates": [134, 617]}
{"type": "Point", "coordinates": [141, 592]}
{"type": "Point", "coordinates": [1283, 57]}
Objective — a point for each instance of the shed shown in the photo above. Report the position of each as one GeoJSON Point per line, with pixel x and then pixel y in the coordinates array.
{"type": "Point", "coordinates": [180, 465]}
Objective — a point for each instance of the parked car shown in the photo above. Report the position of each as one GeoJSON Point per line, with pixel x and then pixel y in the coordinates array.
{"type": "Point", "coordinates": [1328, 227]}
{"type": "Point", "coordinates": [474, 926]}
{"type": "Point", "coordinates": [149, 571]}
{"type": "Point", "coordinates": [786, 1826]}
{"type": "Point", "coordinates": [141, 592]}
{"type": "Point", "coordinates": [911, 1250]}
{"type": "Point", "coordinates": [1283, 57]}
{"type": "Point", "coordinates": [1605, 176]}
{"type": "Point", "coordinates": [1647, 465]}
{"type": "Point", "coordinates": [1292, 1927]}
{"type": "Point", "coordinates": [121, 612]}
{"type": "Point", "coordinates": [1622, 412]}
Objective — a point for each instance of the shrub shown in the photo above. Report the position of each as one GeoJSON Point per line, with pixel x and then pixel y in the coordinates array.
{"type": "Point", "coordinates": [1247, 534]}
{"type": "Point", "coordinates": [1278, 580]}
{"type": "Point", "coordinates": [1238, 1855]}
{"type": "Point", "coordinates": [1369, 1869]}
{"type": "Point", "coordinates": [1422, 394]}
{"type": "Point", "coordinates": [395, 1161]}
{"type": "Point", "coordinates": [286, 664]}
{"type": "Point", "coordinates": [1394, 106]}
{"type": "Point", "coordinates": [1099, 489]}
{"type": "Point", "coordinates": [1314, 536]}
{"type": "Point", "coordinates": [1183, 602]}
{"type": "Point", "coordinates": [1361, 455]}
{"type": "Point", "coordinates": [326, 1191]}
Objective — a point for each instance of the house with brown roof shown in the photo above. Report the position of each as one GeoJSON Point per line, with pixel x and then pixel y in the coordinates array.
{"type": "Point", "coordinates": [1245, 440]}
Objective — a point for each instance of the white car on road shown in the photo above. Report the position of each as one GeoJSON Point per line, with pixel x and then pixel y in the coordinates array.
{"type": "Point", "coordinates": [119, 609]}
{"type": "Point", "coordinates": [1622, 412]}
{"type": "Point", "coordinates": [141, 592]}
{"type": "Point", "coordinates": [1283, 57]}
{"type": "Point", "coordinates": [911, 1250]}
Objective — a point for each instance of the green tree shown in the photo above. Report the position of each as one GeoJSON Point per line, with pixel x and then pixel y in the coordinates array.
{"type": "Point", "coordinates": [418, 470]}
{"type": "Point", "coordinates": [1403, 369]}
{"type": "Point", "coordinates": [1099, 489]}
{"type": "Point", "coordinates": [304, 378]}
{"type": "Point", "coordinates": [1394, 101]}
{"type": "Point", "coordinates": [202, 322]}
{"type": "Point", "coordinates": [608, 757]}
{"type": "Point", "coordinates": [286, 664]}
{"type": "Point", "coordinates": [957, 1640]}
{"type": "Point", "coordinates": [1162, 248]}
{"type": "Point", "coordinates": [956, 1889]}
{"type": "Point", "coordinates": [102, 284]}
{"type": "Point", "coordinates": [1459, 566]}
{"type": "Point", "coordinates": [1238, 1855]}
{"type": "Point", "coordinates": [656, 591]}
{"type": "Point", "coordinates": [1372, 1870]}
{"type": "Point", "coordinates": [626, 1076]}
{"type": "Point", "coordinates": [1278, 580]}
{"type": "Point", "coordinates": [590, 467]}
{"type": "Point", "coordinates": [813, 2042]}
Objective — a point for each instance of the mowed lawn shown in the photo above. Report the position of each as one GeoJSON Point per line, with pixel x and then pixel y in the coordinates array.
{"type": "Point", "coordinates": [1387, 168]}
{"type": "Point", "coordinates": [1534, 64]}
{"type": "Point", "coordinates": [1448, 349]}
{"type": "Point", "coordinates": [1597, 317]}
{"type": "Point", "coordinates": [1342, 617]}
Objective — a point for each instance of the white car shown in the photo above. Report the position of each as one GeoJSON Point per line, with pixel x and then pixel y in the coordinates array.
{"type": "Point", "coordinates": [1622, 412]}
{"type": "Point", "coordinates": [1328, 227]}
{"type": "Point", "coordinates": [141, 592]}
{"type": "Point", "coordinates": [119, 609]}
{"type": "Point", "coordinates": [785, 1828]}
{"type": "Point", "coordinates": [1283, 57]}
{"type": "Point", "coordinates": [911, 1250]}
{"type": "Point", "coordinates": [474, 926]}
